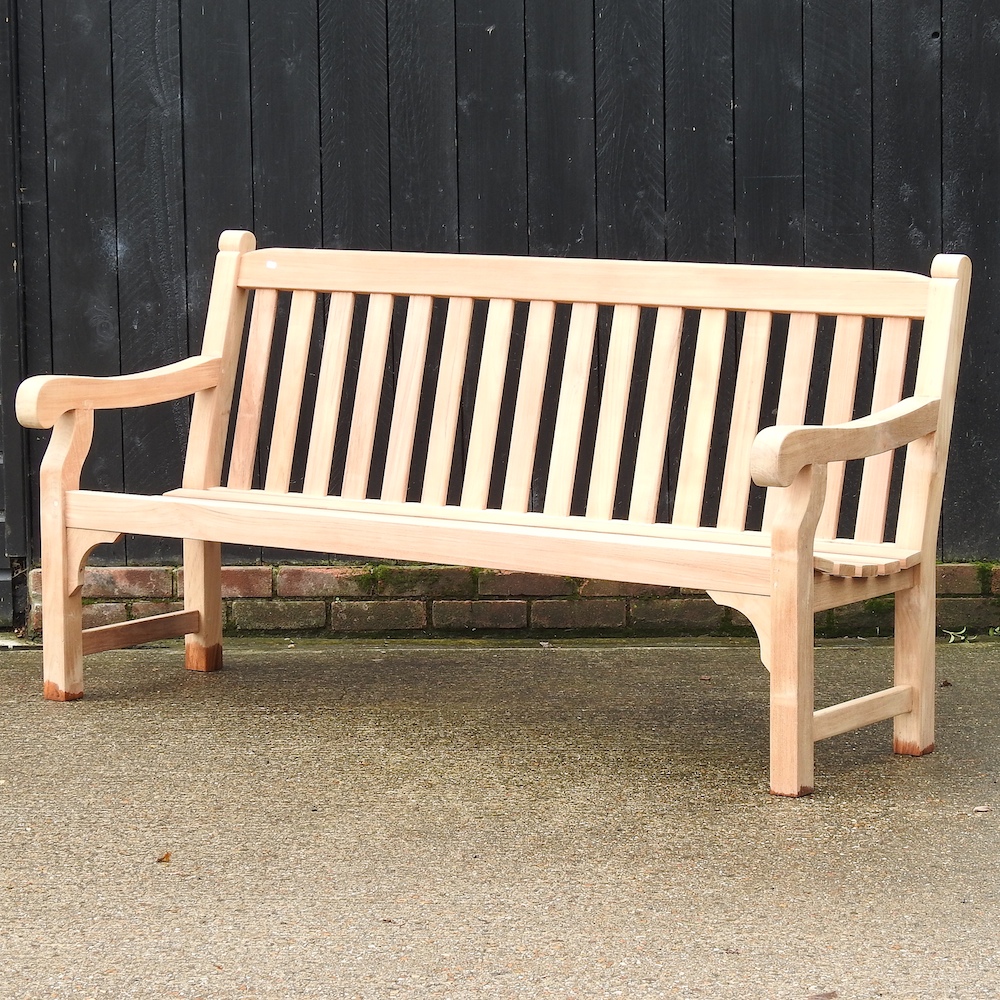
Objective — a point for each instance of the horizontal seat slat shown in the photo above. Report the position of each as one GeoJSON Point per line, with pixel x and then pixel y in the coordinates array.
{"type": "Point", "coordinates": [608, 282]}
{"type": "Point", "coordinates": [485, 542]}
{"type": "Point", "coordinates": [851, 558]}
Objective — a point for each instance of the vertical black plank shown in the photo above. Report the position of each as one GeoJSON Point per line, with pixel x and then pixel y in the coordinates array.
{"type": "Point", "coordinates": [218, 169]}
{"type": "Point", "coordinates": [218, 165]}
{"type": "Point", "coordinates": [837, 105]}
{"type": "Point", "coordinates": [767, 57]}
{"type": "Point", "coordinates": [13, 491]}
{"type": "Point", "coordinates": [422, 125]}
{"type": "Point", "coordinates": [33, 184]}
{"type": "Point", "coordinates": [149, 189]}
{"type": "Point", "coordinates": [492, 154]}
{"type": "Point", "coordinates": [698, 103]}
{"type": "Point", "coordinates": [83, 236]}
{"type": "Point", "coordinates": [906, 128]}
{"type": "Point", "coordinates": [628, 81]}
{"type": "Point", "coordinates": [971, 138]}
{"type": "Point", "coordinates": [284, 74]}
{"type": "Point", "coordinates": [287, 178]}
{"type": "Point", "coordinates": [562, 208]}
{"type": "Point", "coordinates": [354, 90]}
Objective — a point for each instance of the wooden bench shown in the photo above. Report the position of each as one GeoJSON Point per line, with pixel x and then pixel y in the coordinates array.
{"type": "Point", "coordinates": [492, 443]}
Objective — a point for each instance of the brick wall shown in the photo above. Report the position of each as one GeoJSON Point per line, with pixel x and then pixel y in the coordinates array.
{"type": "Point", "coordinates": [456, 601]}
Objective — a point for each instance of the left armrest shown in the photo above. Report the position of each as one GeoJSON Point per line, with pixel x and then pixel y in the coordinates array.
{"type": "Point", "coordinates": [778, 453]}
{"type": "Point", "coordinates": [42, 399]}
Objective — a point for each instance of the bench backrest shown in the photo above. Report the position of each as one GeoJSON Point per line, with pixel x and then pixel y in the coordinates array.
{"type": "Point", "coordinates": [602, 388]}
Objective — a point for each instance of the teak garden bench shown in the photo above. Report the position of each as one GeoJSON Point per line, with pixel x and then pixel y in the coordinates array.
{"type": "Point", "coordinates": [491, 442]}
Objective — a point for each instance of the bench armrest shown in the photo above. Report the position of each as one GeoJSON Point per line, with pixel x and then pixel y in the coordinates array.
{"type": "Point", "coordinates": [42, 399]}
{"type": "Point", "coordinates": [778, 453]}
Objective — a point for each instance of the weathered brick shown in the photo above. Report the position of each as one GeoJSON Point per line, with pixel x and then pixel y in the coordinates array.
{"type": "Point", "coordinates": [958, 578]}
{"type": "Point", "coordinates": [128, 581]}
{"type": "Point", "coordinates": [252, 615]}
{"type": "Point", "coordinates": [377, 616]}
{"type": "Point", "coordinates": [103, 614]}
{"type": "Point", "coordinates": [683, 615]}
{"type": "Point", "coordinates": [424, 581]}
{"type": "Point", "coordinates": [578, 614]}
{"type": "Point", "coordinates": [239, 581]}
{"type": "Point", "coordinates": [975, 614]}
{"type": "Point", "coordinates": [146, 609]}
{"type": "Point", "coordinates": [468, 615]}
{"type": "Point", "coordinates": [35, 584]}
{"type": "Point", "coordinates": [501, 583]}
{"type": "Point", "coordinates": [874, 618]}
{"type": "Point", "coordinates": [612, 588]}
{"type": "Point", "coordinates": [324, 581]}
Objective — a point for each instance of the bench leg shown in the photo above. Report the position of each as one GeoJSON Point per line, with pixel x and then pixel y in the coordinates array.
{"type": "Point", "coordinates": [790, 638]}
{"type": "Point", "coordinates": [62, 625]}
{"type": "Point", "coordinates": [203, 593]}
{"type": "Point", "coordinates": [790, 657]}
{"type": "Point", "coordinates": [915, 627]}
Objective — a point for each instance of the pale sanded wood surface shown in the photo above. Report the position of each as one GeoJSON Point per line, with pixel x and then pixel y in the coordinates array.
{"type": "Point", "coordinates": [780, 576]}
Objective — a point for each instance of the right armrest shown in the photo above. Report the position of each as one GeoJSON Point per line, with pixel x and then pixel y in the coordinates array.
{"type": "Point", "coordinates": [42, 399]}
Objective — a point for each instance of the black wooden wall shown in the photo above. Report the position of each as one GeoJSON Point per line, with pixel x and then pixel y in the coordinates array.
{"type": "Point", "coordinates": [836, 132]}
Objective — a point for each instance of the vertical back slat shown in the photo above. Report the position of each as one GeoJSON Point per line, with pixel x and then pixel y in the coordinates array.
{"type": "Point", "coordinates": [528, 409]}
{"type": "Point", "coordinates": [843, 384]}
{"type": "Point", "coordinates": [290, 386]}
{"type": "Point", "coordinates": [611, 419]}
{"type": "Point", "coordinates": [255, 365]}
{"type": "Point", "coordinates": [569, 415]}
{"type": "Point", "coordinates": [329, 391]}
{"type": "Point", "coordinates": [700, 418]}
{"type": "Point", "coordinates": [404, 412]}
{"type": "Point", "coordinates": [656, 414]}
{"type": "Point", "coordinates": [371, 372]}
{"type": "Point", "coordinates": [489, 394]}
{"type": "Point", "coordinates": [890, 371]}
{"type": "Point", "coordinates": [447, 399]}
{"type": "Point", "coordinates": [793, 395]}
{"type": "Point", "coordinates": [746, 420]}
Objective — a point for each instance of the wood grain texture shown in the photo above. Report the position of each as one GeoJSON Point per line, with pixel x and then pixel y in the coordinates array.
{"type": "Point", "coordinates": [329, 392]}
{"type": "Point", "coordinates": [615, 390]}
{"type": "Point", "coordinates": [284, 431]}
{"type": "Point", "coordinates": [354, 123]}
{"type": "Point", "coordinates": [378, 326]}
{"type": "Point", "coordinates": [528, 411]}
{"type": "Point", "coordinates": [256, 363]}
{"type": "Point", "coordinates": [218, 163]}
{"type": "Point", "coordinates": [559, 69]}
{"type": "Point", "coordinates": [906, 133]}
{"type": "Point", "coordinates": [837, 115]}
{"type": "Point", "coordinates": [700, 419]}
{"type": "Point", "coordinates": [422, 125]}
{"type": "Point", "coordinates": [149, 206]}
{"type": "Point", "coordinates": [284, 88]}
{"type": "Point", "coordinates": [767, 87]}
{"type": "Point", "coordinates": [628, 81]}
{"type": "Point", "coordinates": [745, 420]}
{"type": "Point", "coordinates": [698, 135]}
{"type": "Point", "coordinates": [492, 126]}
{"type": "Point", "coordinates": [82, 220]}
{"type": "Point", "coordinates": [650, 455]}
{"type": "Point", "coordinates": [570, 412]}
{"type": "Point", "coordinates": [970, 71]}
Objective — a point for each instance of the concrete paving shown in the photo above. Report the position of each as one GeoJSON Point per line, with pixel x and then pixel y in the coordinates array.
{"type": "Point", "coordinates": [488, 820]}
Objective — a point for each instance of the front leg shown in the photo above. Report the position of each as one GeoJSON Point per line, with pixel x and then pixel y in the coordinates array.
{"type": "Point", "coordinates": [792, 631]}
